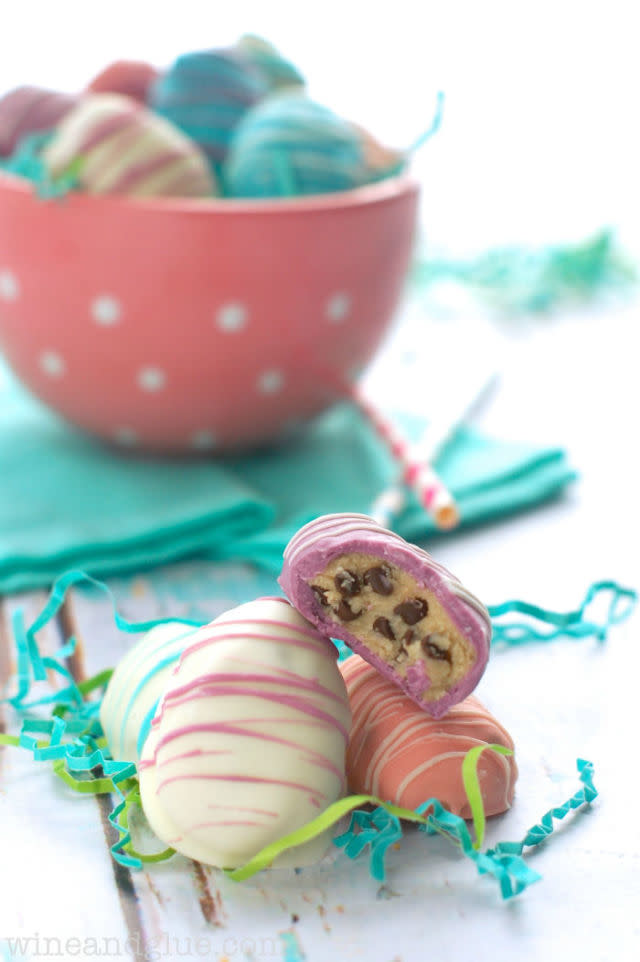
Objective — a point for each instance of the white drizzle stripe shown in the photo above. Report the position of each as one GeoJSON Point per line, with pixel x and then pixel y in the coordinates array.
{"type": "Point", "coordinates": [390, 735]}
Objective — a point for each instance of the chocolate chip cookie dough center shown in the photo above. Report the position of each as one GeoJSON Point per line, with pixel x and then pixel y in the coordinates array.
{"type": "Point", "coordinates": [400, 621]}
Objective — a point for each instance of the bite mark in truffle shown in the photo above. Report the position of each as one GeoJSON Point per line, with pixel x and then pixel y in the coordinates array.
{"type": "Point", "coordinates": [411, 618]}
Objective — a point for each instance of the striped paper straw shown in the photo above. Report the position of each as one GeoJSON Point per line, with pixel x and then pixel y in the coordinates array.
{"type": "Point", "coordinates": [419, 475]}
{"type": "Point", "coordinates": [439, 433]}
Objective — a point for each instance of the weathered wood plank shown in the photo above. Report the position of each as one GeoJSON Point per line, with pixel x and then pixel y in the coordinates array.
{"type": "Point", "coordinates": [53, 844]}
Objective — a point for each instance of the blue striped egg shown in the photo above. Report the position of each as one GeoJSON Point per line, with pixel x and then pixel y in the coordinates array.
{"type": "Point", "coordinates": [206, 94]}
{"type": "Point", "coordinates": [289, 145]}
{"type": "Point", "coordinates": [136, 686]}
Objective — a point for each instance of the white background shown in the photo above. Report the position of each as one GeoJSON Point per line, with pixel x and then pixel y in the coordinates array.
{"type": "Point", "coordinates": [540, 139]}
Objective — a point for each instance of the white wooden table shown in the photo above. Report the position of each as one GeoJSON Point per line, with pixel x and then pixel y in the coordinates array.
{"type": "Point", "coordinates": [573, 382]}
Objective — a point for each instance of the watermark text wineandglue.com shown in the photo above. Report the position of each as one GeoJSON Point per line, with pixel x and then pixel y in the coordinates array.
{"type": "Point", "coordinates": [142, 949]}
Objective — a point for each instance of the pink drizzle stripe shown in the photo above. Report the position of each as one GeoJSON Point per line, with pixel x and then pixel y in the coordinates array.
{"type": "Point", "coordinates": [228, 822]}
{"type": "Point", "coordinates": [134, 174]}
{"type": "Point", "coordinates": [308, 754]}
{"type": "Point", "coordinates": [100, 165]}
{"type": "Point", "coordinates": [196, 753]}
{"type": "Point", "coordinates": [204, 682]}
{"type": "Point", "coordinates": [192, 776]}
{"type": "Point", "coordinates": [188, 181]}
{"type": "Point", "coordinates": [241, 808]}
{"type": "Point", "coordinates": [107, 128]}
{"type": "Point", "coordinates": [297, 641]}
{"type": "Point", "coordinates": [283, 720]}
{"type": "Point", "coordinates": [298, 704]}
{"type": "Point", "coordinates": [224, 728]}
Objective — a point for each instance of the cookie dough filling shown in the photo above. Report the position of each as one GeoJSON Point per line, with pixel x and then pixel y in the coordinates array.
{"type": "Point", "coordinates": [400, 621]}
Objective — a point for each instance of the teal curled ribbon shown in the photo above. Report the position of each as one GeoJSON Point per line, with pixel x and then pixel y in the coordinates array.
{"type": "Point", "coordinates": [381, 828]}
{"type": "Point", "coordinates": [32, 666]}
{"type": "Point", "coordinates": [81, 759]}
{"type": "Point", "coordinates": [545, 827]}
{"type": "Point", "coordinates": [572, 624]}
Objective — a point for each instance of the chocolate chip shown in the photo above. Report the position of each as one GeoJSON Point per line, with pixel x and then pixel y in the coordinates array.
{"type": "Point", "coordinates": [347, 583]}
{"type": "Point", "coordinates": [412, 611]}
{"type": "Point", "coordinates": [383, 626]}
{"type": "Point", "coordinates": [432, 650]}
{"type": "Point", "coordinates": [379, 580]}
{"type": "Point", "coordinates": [320, 593]}
{"type": "Point", "coordinates": [345, 613]}
{"type": "Point", "coordinates": [408, 636]}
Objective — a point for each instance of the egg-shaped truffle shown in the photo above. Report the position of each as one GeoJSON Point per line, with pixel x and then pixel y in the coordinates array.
{"type": "Point", "coordinates": [290, 145]}
{"type": "Point", "coordinates": [115, 146]}
{"type": "Point", "coordinates": [392, 603]}
{"type": "Point", "coordinates": [276, 70]}
{"type": "Point", "coordinates": [30, 110]}
{"type": "Point", "coordinates": [206, 94]}
{"type": "Point", "coordinates": [135, 688]}
{"type": "Point", "coordinates": [248, 742]}
{"type": "Point", "coordinates": [132, 78]}
{"type": "Point", "coordinates": [400, 754]}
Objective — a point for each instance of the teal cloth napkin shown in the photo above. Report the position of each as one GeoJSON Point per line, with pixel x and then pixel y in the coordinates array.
{"type": "Point", "coordinates": [67, 501]}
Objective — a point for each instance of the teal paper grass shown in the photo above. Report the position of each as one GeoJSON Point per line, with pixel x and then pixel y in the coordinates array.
{"type": "Point", "coordinates": [377, 830]}
{"type": "Point", "coordinates": [514, 281]}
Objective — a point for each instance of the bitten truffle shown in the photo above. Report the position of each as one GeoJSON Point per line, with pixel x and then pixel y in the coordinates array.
{"type": "Point", "coordinates": [392, 603]}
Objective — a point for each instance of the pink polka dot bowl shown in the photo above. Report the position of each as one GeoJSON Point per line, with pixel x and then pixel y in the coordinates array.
{"type": "Point", "coordinates": [183, 325]}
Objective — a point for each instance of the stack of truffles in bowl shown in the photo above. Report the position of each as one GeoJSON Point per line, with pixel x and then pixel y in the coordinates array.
{"type": "Point", "coordinates": [197, 258]}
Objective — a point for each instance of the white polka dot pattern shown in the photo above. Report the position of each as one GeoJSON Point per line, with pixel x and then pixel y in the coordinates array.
{"type": "Point", "coordinates": [52, 364]}
{"type": "Point", "coordinates": [232, 317]}
{"type": "Point", "coordinates": [338, 307]}
{"type": "Point", "coordinates": [151, 379]}
{"type": "Point", "coordinates": [271, 382]}
{"type": "Point", "coordinates": [106, 310]}
{"type": "Point", "coordinates": [9, 287]}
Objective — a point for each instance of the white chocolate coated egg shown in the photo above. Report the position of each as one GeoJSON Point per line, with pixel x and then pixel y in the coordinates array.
{"type": "Point", "coordinates": [248, 742]}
